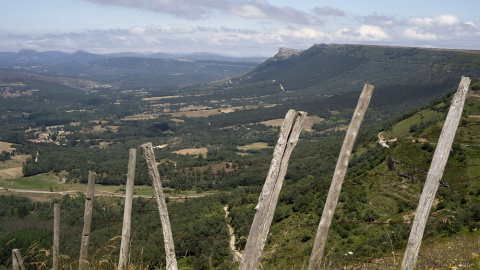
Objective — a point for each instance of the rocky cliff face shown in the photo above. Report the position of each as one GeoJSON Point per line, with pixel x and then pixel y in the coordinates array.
{"type": "Point", "coordinates": [287, 52]}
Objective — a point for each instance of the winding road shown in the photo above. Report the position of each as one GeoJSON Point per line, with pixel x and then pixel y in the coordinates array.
{"type": "Point", "coordinates": [97, 194]}
{"type": "Point", "coordinates": [381, 141]}
{"type": "Point", "coordinates": [237, 256]}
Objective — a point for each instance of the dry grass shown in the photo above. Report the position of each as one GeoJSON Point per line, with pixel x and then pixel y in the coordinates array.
{"type": "Point", "coordinates": [159, 98]}
{"type": "Point", "coordinates": [11, 173]}
{"type": "Point", "coordinates": [101, 129]}
{"type": "Point", "coordinates": [105, 144]}
{"type": "Point", "coordinates": [188, 111]}
{"type": "Point", "coordinates": [193, 108]}
{"type": "Point", "coordinates": [206, 113]}
{"type": "Point", "coordinates": [309, 122]}
{"type": "Point", "coordinates": [6, 146]}
{"type": "Point", "coordinates": [216, 167]}
{"type": "Point", "coordinates": [13, 168]}
{"type": "Point", "coordinates": [461, 252]}
{"type": "Point", "coordinates": [177, 120]}
{"type": "Point", "coordinates": [192, 151]}
{"type": "Point", "coordinates": [254, 146]}
{"type": "Point", "coordinates": [274, 122]}
{"type": "Point", "coordinates": [142, 116]}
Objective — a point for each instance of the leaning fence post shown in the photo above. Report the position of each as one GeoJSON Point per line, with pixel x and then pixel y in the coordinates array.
{"type": "Point", "coordinates": [87, 219]}
{"type": "Point", "coordinates": [149, 156]}
{"type": "Point", "coordinates": [56, 235]}
{"type": "Point", "coordinates": [17, 261]}
{"type": "Point", "coordinates": [127, 214]}
{"type": "Point", "coordinates": [435, 173]}
{"type": "Point", "coordinates": [290, 131]}
{"type": "Point", "coordinates": [338, 176]}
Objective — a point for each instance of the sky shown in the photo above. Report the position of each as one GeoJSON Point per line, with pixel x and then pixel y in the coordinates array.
{"type": "Point", "coordinates": [234, 27]}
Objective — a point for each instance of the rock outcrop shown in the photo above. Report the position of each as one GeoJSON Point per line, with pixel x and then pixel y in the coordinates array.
{"type": "Point", "coordinates": [284, 53]}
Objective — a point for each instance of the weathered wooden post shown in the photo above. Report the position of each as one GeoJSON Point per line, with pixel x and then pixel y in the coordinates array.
{"type": "Point", "coordinates": [290, 131]}
{"type": "Point", "coordinates": [435, 174]}
{"type": "Point", "coordinates": [149, 156]}
{"type": "Point", "coordinates": [17, 261]}
{"type": "Point", "coordinates": [127, 214]}
{"type": "Point", "coordinates": [56, 235]}
{"type": "Point", "coordinates": [338, 177]}
{"type": "Point", "coordinates": [87, 219]}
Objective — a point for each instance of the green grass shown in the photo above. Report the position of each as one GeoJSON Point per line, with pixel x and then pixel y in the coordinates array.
{"type": "Point", "coordinates": [50, 182]}
{"type": "Point", "coordinates": [143, 190]}
{"type": "Point", "coordinates": [457, 252]}
{"type": "Point", "coordinates": [41, 182]}
{"type": "Point", "coordinates": [402, 128]}
{"type": "Point", "coordinates": [254, 146]}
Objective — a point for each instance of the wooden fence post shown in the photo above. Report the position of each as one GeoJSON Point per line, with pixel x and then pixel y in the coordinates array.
{"type": "Point", "coordinates": [87, 219]}
{"type": "Point", "coordinates": [56, 235]}
{"type": "Point", "coordinates": [127, 214]}
{"type": "Point", "coordinates": [17, 261]}
{"type": "Point", "coordinates": [435, 174]}
{"type": "Point", "coordinates": [338, 177]}
{"type": "Point", "coordinates": [149, 156]}
{"type": "Point", "coordinates": [290, 131]}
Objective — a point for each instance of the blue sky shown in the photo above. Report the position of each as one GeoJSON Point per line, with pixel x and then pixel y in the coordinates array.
{"type": "Point", "coordinates": [234, 27]}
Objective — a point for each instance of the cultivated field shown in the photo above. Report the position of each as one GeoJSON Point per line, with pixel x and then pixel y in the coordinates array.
{"type": "Point", "coordinates": [12, 168]}
{"type": "Point", "coordinates": [142, 116]}
{"type": "Point", "coordinates": [159, 98]}
{"type": "Point", "coordinates": [309, 121]}
{"type": "Point", "coordinates": [5, 146]}
{"type": "Point", "coordinates": [254, 146]}
{"type": "Point", "coordinates": [192, 151]}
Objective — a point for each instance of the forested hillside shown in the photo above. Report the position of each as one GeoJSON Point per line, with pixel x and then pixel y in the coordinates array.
{"type": "Point", "coordinates": [215, 140]}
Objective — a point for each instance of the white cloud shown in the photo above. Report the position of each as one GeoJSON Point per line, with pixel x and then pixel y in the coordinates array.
{"type": "Point", "coordinates": [248, 11]}
{"type": "Point", "coordinates": [376, 19]}
{"type": "Point", "coordinates": [371, 32]}
{"type": "Point", "coordinates": [440, 21]}
{"type": "Point", "coordinates": [202, 9]}
{"type": "Point", "coordinates": [329, 11]}
{"type": "Point", "coordinates": [443, 29]}
{"type": "Point", "coordinates": [162, 30]}
{"type": "Point", "coordinates": [248, 39]}
{"type": "Point", "coordinates": [303, 36]}
{"type": "Point", "coordinates": [471, 24]}
{"type": "Point", "coordinates": [137, 30]}
{"type": "Point", "coordinates": [417, 34]}
{"type": "Point", "coordinates": [304, 33]}
{"type": "Point", "coordinates": [363, 33]}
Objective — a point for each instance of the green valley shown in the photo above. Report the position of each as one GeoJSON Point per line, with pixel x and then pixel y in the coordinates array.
{"type": "Point", "coordinates": [213, 145]}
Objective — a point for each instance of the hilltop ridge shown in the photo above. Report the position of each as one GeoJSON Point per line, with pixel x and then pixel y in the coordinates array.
{"type": "Point", "coordinates": [287, 52]}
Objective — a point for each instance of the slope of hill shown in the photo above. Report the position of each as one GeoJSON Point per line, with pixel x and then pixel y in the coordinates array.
{"type": "Point", "coordinates": [403, 77]}
{"type": "Point", "coordinates": [380, 194]}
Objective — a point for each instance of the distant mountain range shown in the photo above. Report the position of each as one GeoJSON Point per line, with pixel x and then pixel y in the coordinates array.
{"type": "Point", "coordinates": [318, 78]}
{"type": "Point", "coordinates": [130, 70]}
{"type": "Point", "coordinates": [27, 57]}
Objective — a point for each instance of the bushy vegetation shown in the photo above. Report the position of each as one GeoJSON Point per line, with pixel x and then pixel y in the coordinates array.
{"type": "Point", "coordinates": [200, 233]}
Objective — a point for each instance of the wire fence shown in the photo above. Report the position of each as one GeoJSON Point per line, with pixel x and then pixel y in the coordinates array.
{"type": "Point", "coordinates": [379, 261]}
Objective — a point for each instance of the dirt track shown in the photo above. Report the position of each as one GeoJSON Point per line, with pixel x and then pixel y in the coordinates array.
{"type": "Point", "coordinates": [237, 256]}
